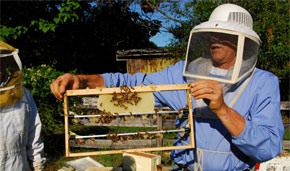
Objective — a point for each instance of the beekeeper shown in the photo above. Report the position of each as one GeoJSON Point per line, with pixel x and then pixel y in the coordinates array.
{"type": "Point", "coordinates": [237, 117]}
{"type": "Point", "coordinates": [20, 126]}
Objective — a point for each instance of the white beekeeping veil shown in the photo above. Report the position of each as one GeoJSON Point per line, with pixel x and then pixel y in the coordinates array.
{"type": "Point", "coordinates": [11, 88]}
{"type": "Point", "coordinates": [231, 26]}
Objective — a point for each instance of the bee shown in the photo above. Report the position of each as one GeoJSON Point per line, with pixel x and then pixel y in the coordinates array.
{"type": "Point", "coordinates": [121, 139]}
{"type": "Point", "coordinates": [165, 129]}
{"type": "Point", "coordinates": [145, 136]}
{"type": "Point", "coordinates": [72, 133]}
{"type": "Point", "coordinates": [92, 119]}
{"type": "Point", "coordinates": [164, 116]}
{"type": "Point", "coordinates": [156, 111]}
{"type": "Point", "coordinates": [159, 135]}
{"type": "Point", "coordinates": [151, 136]}
{"type": "Point", "coordinates": [132, 117]}
{"type": "Point", "coordinates": [125, 138]}
{"type": "Point", "coordinates": [144, 117]}
{"type": "Point", "coordinates": [181, 134]}
{"type": "Point", "coordinates": [75, 121]}
{"type": "Point", "coordinates": [81, 141]}
{"type": "Point", "coordinates": [92, 140]}
{"type": "Point", "coordinates": [97, 120]}
{"type": "Point", "coordinates": [138, 135]}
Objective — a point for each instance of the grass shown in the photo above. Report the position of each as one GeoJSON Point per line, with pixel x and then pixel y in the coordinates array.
{"type": "Point", "coordinates": [112, 160]}
{"type": "Point", "coordinates": [57, 160]}
{"type": "Point", "coordinates": [286, 135]}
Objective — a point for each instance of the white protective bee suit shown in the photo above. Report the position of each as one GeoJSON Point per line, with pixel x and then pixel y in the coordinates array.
{"type": "Point", "coordinates": [21, 148]}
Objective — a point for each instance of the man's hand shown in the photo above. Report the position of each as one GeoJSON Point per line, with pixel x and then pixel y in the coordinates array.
{"type": "Point", "coordinates": [211, 92]}
{"type": "Point", "coordinates": [63, 83]}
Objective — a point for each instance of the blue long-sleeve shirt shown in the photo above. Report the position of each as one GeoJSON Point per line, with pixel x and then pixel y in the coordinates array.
{"type": "Point", "coordinates": [259, 105]}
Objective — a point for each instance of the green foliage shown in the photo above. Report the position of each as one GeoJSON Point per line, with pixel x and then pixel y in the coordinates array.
{"type": "Point", "coordinates": [43, 25]}
{"type": "Point", "coordinates": [65, 13]}
{"type": "Point", "coordinates": [286, 135]}
{"type": "Point", "coordinates": [37, 80]}
{"type": "Point", "coordinates": [11, 32]}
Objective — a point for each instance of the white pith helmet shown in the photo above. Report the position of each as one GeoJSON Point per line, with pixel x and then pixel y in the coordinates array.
{"type": "Point", "coordinates": [229, 26]}
{"type": "Point", "coordinates": [232, 13]}
{"type": "Point", "coordinates": [230, 17]}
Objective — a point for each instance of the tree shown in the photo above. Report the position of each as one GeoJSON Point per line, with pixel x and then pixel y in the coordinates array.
{"type": "Point", "coordinates": [271, 22]}
{"type": "Point", "coordinates": [60, 36]}
{"type": "Point", "coordinates": [78, 34]}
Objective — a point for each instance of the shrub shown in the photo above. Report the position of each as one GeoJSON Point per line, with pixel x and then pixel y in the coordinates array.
{"type": "Point", "coordinates": [37, 80]}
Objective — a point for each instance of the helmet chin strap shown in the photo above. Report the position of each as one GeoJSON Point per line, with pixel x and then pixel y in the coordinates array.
{"type": "Point", "coordinates": [4, 81]}
{"type": "Point", "coordinates": [17, 59]}
{"type": "Point", "coordinates": [10, 87]}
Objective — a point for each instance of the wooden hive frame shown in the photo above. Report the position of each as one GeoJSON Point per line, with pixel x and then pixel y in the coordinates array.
{"type": "Point", "coordinates": [150, 88]}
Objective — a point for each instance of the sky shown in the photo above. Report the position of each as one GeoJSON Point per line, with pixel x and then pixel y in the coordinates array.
{"type": "Point", "coordinates": [162, 39]}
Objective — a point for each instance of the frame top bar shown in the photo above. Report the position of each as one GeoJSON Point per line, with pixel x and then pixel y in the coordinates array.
{"type": "Point", "coordinates": [142, 88]}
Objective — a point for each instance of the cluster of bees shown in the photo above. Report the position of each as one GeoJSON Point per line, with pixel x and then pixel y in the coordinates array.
{"type": "Point", "coordinates": [83, 141]}
{"type": "Point", "coordinates": [126, 96]}
{"type": "Point", "coordinates": [115, 138]}
{"type": "Point", "coordinates": [107, 117]}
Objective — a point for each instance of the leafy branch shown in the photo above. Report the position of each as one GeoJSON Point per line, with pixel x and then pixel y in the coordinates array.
{"type": "Point", "coordinates": [65, 14]}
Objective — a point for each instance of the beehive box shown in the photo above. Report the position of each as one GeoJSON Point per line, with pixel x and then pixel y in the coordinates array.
{"type": "Point", "coordinates": [140, 161]}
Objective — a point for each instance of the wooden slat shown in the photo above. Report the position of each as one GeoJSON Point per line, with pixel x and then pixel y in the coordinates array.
{"type": "Point", "coordinates": [286, 144]}
{"type": "Point", "coordinates": [159, 127]}
{"type": "Point", "coordinates": [190, 119]}
{"type": "Point", "coordinates": [150, 88]}
{"type": "Point", "coordinates": [128, 150]}
{"type": "Point", "coordinates": [120, 145]}
{"type": "Point", "coordinates": [65, 108]}
{"type": "Point", "coordinates": [137, 122]}
{"type": "Point", "coordinates": [285, 105]}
